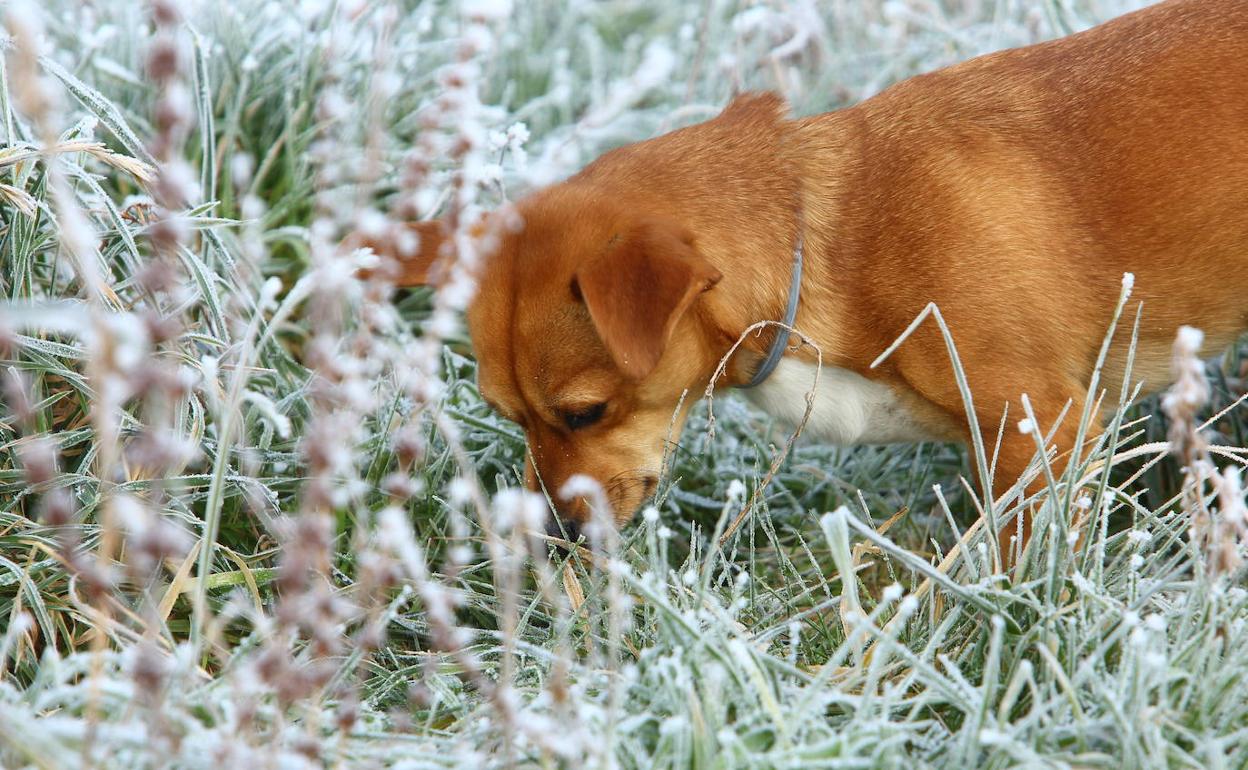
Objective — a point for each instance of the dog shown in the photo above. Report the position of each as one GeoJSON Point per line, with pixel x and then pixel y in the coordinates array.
{"type": "Point", "coordinates": [1013, 190]}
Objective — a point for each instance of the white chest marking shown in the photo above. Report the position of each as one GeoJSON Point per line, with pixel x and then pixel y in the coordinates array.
{"type": "Point", "coordinates": [849, 409]}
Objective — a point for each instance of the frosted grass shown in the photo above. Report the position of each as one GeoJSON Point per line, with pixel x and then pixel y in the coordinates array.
{"type": "Point", "coordinates": [253, 513]}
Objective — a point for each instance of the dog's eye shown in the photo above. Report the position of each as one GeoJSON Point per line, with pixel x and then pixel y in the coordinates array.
{"type": "Point", "coordinates": [583, 418]}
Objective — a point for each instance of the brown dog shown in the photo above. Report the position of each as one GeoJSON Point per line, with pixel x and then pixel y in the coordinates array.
{"type": "Point", "coordinates": [1013, 190]}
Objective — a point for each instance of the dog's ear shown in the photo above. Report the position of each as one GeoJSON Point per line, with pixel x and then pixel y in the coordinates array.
{"type": "Point", "coordinates": [765, 107]}
{"type": "Point", "coordinates": [639, 289]}
{"type": "Point", "coordinates": [408, 251]}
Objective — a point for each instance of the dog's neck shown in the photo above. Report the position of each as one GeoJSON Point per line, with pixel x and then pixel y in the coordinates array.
{"type": "Point", "coordinates": [792, 190]}
{"type": "Point", "coordinates": [783, 329]}
{"type": "Point", "coordinates": [745, 185]}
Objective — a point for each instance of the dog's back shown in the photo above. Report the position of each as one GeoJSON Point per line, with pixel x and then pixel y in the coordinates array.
{"type": "Point", "coordinates": [1016, 189]}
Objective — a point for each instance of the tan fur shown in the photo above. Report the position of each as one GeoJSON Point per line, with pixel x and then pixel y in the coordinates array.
{"type": "Point", "coordinates": [1013, 190]}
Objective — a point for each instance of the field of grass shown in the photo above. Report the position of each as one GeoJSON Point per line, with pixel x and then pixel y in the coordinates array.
{"type": "Point", "coordinates": [254, 513]}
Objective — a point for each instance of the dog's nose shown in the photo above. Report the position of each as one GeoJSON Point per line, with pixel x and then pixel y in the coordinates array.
{"type": "Point", "coordinates": [570, 531]}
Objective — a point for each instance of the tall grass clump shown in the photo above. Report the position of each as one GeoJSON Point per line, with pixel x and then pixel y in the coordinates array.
{"type": "Point", "coordinates": [254, 512]}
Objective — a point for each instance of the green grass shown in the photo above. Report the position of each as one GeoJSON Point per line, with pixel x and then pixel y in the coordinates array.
{"type": "Point", "coordinates": [364, 601]}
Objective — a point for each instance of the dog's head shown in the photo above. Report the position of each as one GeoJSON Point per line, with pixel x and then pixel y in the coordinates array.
{"type": "Point", "coordinates": [587, 331]}
{"type": "Point", "coordinates": [596, 317]}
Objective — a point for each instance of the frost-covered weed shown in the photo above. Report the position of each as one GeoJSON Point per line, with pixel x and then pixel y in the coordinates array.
{"type": "Point", "coordinates": [253, 512]}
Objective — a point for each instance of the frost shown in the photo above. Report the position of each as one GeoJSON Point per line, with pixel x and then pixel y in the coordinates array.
{"type": "Point", "coordinates": [1189, 339]}
{"type": "Point", "coordinates": [265, 406]}
{"type": "Point", "coordinates": [486, 10]}
{"type": "Point", "coordinates": [371, 222]}
{"type": "Point", "coordinates": [580, 485]}
{"type": "Point", "coordinates": [1082, 583]}
{"type": "Point", "coordinates": [655, 67]}
{"type": "Point", "coordinates": [459, 491]}
{"type": "Point", "coordinates": [444, 324]}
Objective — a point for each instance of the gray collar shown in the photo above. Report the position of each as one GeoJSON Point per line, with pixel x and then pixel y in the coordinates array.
{"type": "Point", "coordinates": [790, 313]}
